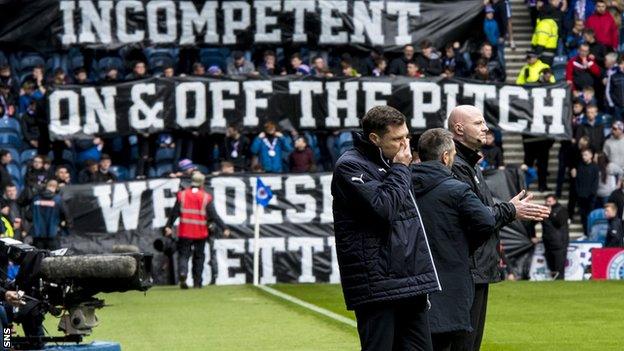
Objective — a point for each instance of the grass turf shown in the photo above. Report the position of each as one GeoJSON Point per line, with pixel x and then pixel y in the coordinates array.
{"type": "Point", "coordinates": [521, 316]}
{"type": "Point", "coordinates": [529, 315]}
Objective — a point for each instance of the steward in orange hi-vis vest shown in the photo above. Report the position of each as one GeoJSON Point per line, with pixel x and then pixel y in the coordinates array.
{"type": "Point", "coordinates": [193, 216]}
{"type": "Point", "coordinates": [195, 208]}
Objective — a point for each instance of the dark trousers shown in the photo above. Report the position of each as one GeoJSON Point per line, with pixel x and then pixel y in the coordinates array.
{"type": "Point", "coordinates": [472, 341]}
{"type": "Point", "coordinates": [396, 325]}
{"type": "Point", "coordinates": [572, 198]}
{"type": "Point", "coordinates": [555, 259]}
{"type": "Point", "coordinates": [186, 248]}
{"type": "Point", "coordinates": [586, 205]}
{"type": "Point", "coordinates": [46, 243]}
{"type": "Point", "coordinates": [451, 341]}
{"type": "Point", "coordinates": [537, 152]}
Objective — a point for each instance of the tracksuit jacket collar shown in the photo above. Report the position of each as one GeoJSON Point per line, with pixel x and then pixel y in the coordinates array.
{"type": "Point", "coordinates": [466, 153]}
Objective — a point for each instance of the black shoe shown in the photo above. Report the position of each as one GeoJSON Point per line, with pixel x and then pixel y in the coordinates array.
{"type": "Point", "coordinates": [197, 286]}
{"type": "Point", "coordinates": [183, 285]}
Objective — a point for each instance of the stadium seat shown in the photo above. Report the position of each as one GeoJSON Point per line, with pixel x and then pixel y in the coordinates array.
{"type": "Point", "coordinates": [158, 63]}
{"type": "Point", "coordinates": [23, 170]}
{"type": "Point", "coordinates": [14, 171]}
{"type": "Point", "coordinates": [132, 171]}
{"type": "Point", "coordinates": [110, 62]}
{"type": "Point", "coordinates": [14, 155]}
{"type": "Point", "coordinates": [163, 168]}
{"type": "Point", "coordinates": [120, 172]}
{"type": "Point", "coordinates": [75, 62]}
{"type": "Point", "coordinates": [597, 225]}
{"type": "Point", "coordinates": [214, 57]}
{"type": "Point", "coordinates": [151, 52]}
{"type": "Point", "coordinates": [10, 140]}
{"type": "Point", "coordinates": [27, 155]}
{"type": "Point", "coordinates": [164, 155]}
{"type": "Point", "coordinates": [151, 173]}
{"type": "Point", "coordinates": [30, 60]}
{"type": "Point", "coordinates": [10, 124]}
{"type": "Point", "coordinates": [202, 169]}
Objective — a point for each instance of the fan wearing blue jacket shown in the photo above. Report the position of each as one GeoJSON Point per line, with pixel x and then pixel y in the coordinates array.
{"type": "Point", "coordinates": [271, 147]}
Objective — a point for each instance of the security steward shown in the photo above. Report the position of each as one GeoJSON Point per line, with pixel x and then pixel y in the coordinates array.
{"type": "Point", "coordinates": [195, 207]}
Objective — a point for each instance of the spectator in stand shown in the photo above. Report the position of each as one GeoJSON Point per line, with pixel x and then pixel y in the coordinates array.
{"type": "Point", "coordinates": [592, 127]}
{"type": "Point", "coordinates": [111, 75]}
{"type": "Point", "coordinates": [227, 168]}
{"type": "Point", "coordinates": [582, 9]}
{"type": "Point", "coordinates": [235, 148]}
{"type": "Point", "coordinates": [367, 65]}
{"type": "Point", "coordinates": [454, 61]}
{"type": "Point", "coordinates": [429, 59]}
{"type": "Point", "coordinates": [398, 66]}
{"type": "Point", "coordinates": [610, 179]}
{"type": "Point", "coordinates": [501, 15]}
{"type": "Point", "coordinates": [5, 159]}
{"type": "Point", "coordinates": [536, 154]}
{"type": "Point", "coordinates": [586, 181]}
{"type": "Point", "coordinates": [603, 24]}
{"type": "Point", "coordinates": [16, 212]}
{"type": "Point", "coordinates": [615, 232]}
{"type": "Point", "coordinates": [269, 65]}
{"type": "Point", "coordinates": [492, 154]}
{"type": "Point", "coordinates": [80, 76]}
{"type": "Point", "coordinates": [38, 78]}
{"type": "Point", "coordinates": [89, 174]}
{"type": "Point", "coordinates": [270, 147]}
{"type": "Point", "coordinates": [575, 158]}
{"type": "Point", "coordinates": [320, 69]}
{"type": "Point", "coordinates": [596, 49]}
{"type": "Point", "coordinates": [139, 71]}
{"type": "Point", "coordinates": [168, 71]}
{"type": "Point", "coordinates": [614, 146]}
{"type": "Point", "coordinates": [88, 149]}
{"type": "Point", "coordinates": [495, 69]}
{"type": "Point", "coordinates": [215, 71]}
{"type": "Point", "coordinates": [546, 77]}
{"type": "Point", "coordinates": [380, 67]}
{"type": "Point", "coordinates": [556, 237]}
{"type": "Point", "coordinates": [104, 175]}
{"type": "Point", "coordinates": [59, 78]}
{"type": "Point", "coordinates": [302, 158]}
{"type": "Point", "coordinates": [7, 101]}
{"type": "Point", "coordinates": [546, 35]}
{"type": "Point", "coordinates": [198, 69]}
{"type": "Point", "coordinates": [615, 90]}
{"type": "Point", "coordinates": [240, 66]}
{"type": "Point", "coordinates": [48, 216]}
{"type": "Point", "coordinates": [530, 73]}
{"type": "Point", "coordinates": [346, 66]}
{"type": "Point", "coordinates": [582, 70]}
{"type": "Point", "coordinates": [588, 96]}
{"type": "Point", "coordinates": [62, 176]}
{"type": "Point", "coordinates": [575, 38]}
{"type": "Point", "coordinates": [481, 71]}
{"type": "Point", "coordinates": [186, 168]}
{"type": "Point", "coordinates": [298, 67]}
{"type": "Point", "coordinates": [490, 27]}
{"type": "Point", "coordinates": [617, 197]}
{"type": "Point", "coordinates": [7, 80]}
{"type": "Point", "coordinates": [413, 71]}
{"type": "Point", "coordinates": [36, 174]}
{"type": "Point", "coordinates": [30, 94]}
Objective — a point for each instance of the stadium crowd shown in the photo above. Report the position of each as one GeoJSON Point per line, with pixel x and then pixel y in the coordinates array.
{"type": "Point", "coordinates": [574, 41]}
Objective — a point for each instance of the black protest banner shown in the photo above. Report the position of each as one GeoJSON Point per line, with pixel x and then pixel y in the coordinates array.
{"type": "Point", "coordinates": [209, 105]}
{"type": "Point", "coordinates": [357, 24]}
{"type": "Point", "coordinates": [296, 245]}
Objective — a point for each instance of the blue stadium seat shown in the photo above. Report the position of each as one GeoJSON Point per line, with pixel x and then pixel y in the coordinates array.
{"type": "Point", "coordinates": [151, 173]}
{"type": "Point", "coordinates": [10, 140]}
{"type": "Point", "coordinates": [110, 62]}
{"type": "Point", "coordinates": [14, 171]}
{"type": "Point", "coordinates": [75, 62]}
{"type": "Point", "coordinates": [163, 168]}
{"type": "Point", "coordinates": [27, 155]}
{"type": "Point", "coordinates": [23, 170]}
{"type": "Point", "coordinates": [151, 52]}
{"type": "Point", "coordinates": [597, 225]}
{"type": "Point", "coordinates": [30, 60]}
{"type": "Point", "coordinates": [10, 124]}
{"type": "Point", "coordinates": [158, 63]}
{"type": "Point", "coordinates": [202, 169]}
{"type": "Point", "coordinates": [68, 155]}
{"type": "Point", "coordinates": [164, 155]}
{"type": "Point", "coordinates": [214, 57]}
{"type": "Point", "coordinates": [120, 172]}
{"type": "Point", "coordinates": [14, 155]}
{"type": "Point", "coordinates": [132, 172]}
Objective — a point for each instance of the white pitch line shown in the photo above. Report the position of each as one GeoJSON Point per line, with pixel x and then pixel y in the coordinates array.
{"type": "Point", "coordinates": [309, 306]}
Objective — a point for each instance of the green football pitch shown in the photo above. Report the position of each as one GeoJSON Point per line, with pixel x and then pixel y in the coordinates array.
{"type": "Point", "coordinates": [521, 316]}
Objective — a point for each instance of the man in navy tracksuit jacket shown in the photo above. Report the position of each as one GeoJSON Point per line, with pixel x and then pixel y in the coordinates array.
{"type": "Point", "coordinates": [385, 263]}
{"type": "Point", "coordinates": [48, 215]}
